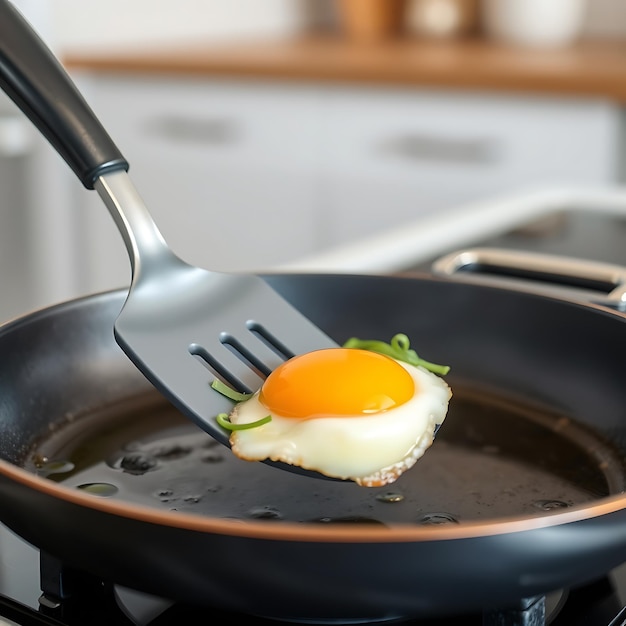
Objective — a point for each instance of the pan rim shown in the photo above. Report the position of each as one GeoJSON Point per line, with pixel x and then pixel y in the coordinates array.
{"type": "Point", "coordinates": [309, 532]}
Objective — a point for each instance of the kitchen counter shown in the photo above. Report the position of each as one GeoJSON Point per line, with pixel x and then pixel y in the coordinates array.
{"type": "Point", "coordinates": [417, 244]}
{"type": "Point", "coordinates": [346, 144]}
{"type": "Point", "coordinates": [588, 69]}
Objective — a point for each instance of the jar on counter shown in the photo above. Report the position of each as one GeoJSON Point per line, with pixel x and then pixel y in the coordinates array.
{"type": "Point", "coordinates": [371, 21]}
{"type": "Point", "coordinates": [534, 22]}
{"type": "Point", "coordinates": [441, 18]}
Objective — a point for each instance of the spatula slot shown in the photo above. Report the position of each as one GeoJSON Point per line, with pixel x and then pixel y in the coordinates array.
{"type": "Point", "coordinates": [218, 369]}
{"type": "Point", "coordinates": [244, 355]}
{"type": "Point", "coordinates": [270, 340]}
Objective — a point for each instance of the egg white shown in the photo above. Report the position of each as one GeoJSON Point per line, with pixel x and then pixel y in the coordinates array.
{"type": "Point", "coordinates": [372, 450]}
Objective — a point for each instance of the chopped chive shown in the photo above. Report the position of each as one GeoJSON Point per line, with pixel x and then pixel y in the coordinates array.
{"type": "Point", "coordinates": [225, 390]}
{"type": "Point", "coordinates": [224, 422]}
{"type": "Point", "coordinates": [397, 348]}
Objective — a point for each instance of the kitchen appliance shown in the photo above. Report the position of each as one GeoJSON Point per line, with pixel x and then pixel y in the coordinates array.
{"type": "Point", "coordinates": [95, 604]}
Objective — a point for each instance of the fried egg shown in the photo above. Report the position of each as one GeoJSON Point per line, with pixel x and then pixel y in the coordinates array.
{"type": "Point", "coordinates": [346, 413]}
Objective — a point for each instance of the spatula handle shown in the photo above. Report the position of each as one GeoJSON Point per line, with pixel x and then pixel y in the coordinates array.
{"type": "Point", "coordinates": [36, 81]}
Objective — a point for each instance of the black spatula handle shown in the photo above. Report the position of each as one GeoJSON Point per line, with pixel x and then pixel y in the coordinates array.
{"type": "Point", "coordinates": [36, 81]}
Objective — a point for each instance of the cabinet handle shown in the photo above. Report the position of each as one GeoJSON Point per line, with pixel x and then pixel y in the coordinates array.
{"type": "Point", "coordinates": [207, 131]}
{"type": "Point", "coordinates": [425, 147]}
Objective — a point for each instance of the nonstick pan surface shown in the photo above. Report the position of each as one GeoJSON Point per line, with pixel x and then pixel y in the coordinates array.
{"type": "Point", "coordinates": [522, 492]}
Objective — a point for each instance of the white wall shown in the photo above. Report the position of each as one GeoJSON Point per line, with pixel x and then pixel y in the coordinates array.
{"type": "Point", "coordinates": [81, 24]}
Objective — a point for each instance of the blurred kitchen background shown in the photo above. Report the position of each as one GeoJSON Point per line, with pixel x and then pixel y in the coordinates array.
{"type": "Point", "coordinates": [263, 133]}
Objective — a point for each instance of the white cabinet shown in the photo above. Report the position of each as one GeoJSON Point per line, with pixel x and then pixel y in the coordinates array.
{"type": "Point", "coordinates": [245, 175]}
{"type": "Point", "coordinates": [227, 170]}
{"type": "Point", "coordinates": [396, 155]}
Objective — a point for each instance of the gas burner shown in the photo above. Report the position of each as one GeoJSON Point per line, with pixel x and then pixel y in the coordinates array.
{"type": "Point", "coordinates": [589, 606]}
{"type": "Point", "coordinates": [73, 598]}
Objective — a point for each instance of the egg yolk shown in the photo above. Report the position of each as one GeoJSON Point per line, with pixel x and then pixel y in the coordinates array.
{"type": "Point", "coordinates": [336, 381]}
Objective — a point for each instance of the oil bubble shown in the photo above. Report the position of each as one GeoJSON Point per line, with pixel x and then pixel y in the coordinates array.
{"type": "Point", "coordinates": [55, 467]}
{"type": "Point", "coordinates": [165, 495]}
{"type": "Point", "coordinates": [390, 496]}
{"type": "Point", "coordinates": [550, 505]}
{"type": "Point", "coordinates": [265, 512]}
{"type": "Point", "coordinates": [171, 452]}
{"type": "Point", "coordinates": [435, 519]}
{"type": "Point", "coordinates": [138, 463]}
{"type": "Point", "coordinates": [103, 490]}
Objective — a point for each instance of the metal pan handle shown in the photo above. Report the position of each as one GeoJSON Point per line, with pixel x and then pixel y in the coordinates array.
{"type": "Point", "coordinates": [579, 279]}
{"type": "Point", "coordinates": [29, 74]}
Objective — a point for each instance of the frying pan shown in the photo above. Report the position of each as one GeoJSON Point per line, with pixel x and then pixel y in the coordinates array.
{"type": "Point", "coordinates": [521, 493]}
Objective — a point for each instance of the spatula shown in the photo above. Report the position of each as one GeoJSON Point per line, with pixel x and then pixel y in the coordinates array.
{"type": "Point", "coordinates": [181, 325]}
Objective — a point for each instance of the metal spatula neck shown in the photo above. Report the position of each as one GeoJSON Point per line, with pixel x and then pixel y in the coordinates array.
{"type": "Point", "coordinates": [144, 242]}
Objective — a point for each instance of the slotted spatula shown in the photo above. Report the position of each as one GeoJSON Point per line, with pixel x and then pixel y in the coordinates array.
{"type": "Point", "coordinates": [181, 325]}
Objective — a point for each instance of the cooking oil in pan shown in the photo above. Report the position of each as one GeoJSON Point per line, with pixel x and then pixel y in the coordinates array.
{"type": "Point", "coordinates": [492, 458]}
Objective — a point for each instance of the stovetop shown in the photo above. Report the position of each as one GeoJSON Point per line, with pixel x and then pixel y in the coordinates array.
{"type": "Point", "coordinates": [590, 234]}
{"type": "Point", "coordinates": [92, 602]}
{"type": "Point", "coordinates": [584, 234]}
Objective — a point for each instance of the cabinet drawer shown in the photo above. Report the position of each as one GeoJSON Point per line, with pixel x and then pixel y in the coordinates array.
{"type": "Point", "coordinates": [235, 122]}
{"type": "Point", "coordinates": [400, 154]}
{"type": "Point", "coordinates": [226, 168]}
{"type": "Point", "coordinates": [410, 133]}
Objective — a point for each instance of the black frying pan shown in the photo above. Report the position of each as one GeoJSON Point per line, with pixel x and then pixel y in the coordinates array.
{"type": "Point", "coordinates": [521, 493]}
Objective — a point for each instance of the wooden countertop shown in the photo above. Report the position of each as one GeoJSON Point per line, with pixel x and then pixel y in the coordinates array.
{"type": "Point", "coordinates": [588, 68]}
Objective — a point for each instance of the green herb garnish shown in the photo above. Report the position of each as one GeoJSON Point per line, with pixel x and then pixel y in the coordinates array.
{"type": "Point", "coordinates": [222, 418]}
{"type": "Point", "coordinates": [225, 390]}
{"type": "Point", "coordinates": [398, 348]}
{"type": "Point", "coordinates": [224, 421]}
